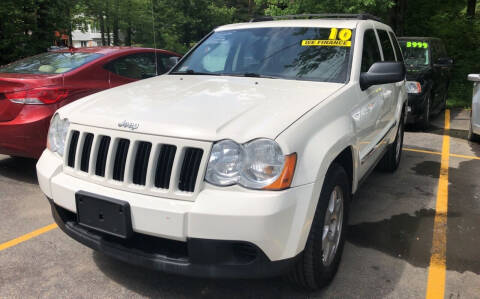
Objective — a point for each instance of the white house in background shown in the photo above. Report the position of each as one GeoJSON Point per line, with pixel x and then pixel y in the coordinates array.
{"type": "Point", "coordinates": [90, 38]}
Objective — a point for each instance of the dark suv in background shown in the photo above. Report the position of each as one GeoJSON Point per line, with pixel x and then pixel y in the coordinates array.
{"type": "Point", "coordinates": [428, 75]}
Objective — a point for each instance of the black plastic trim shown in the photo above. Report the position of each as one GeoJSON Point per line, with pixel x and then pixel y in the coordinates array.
{"type": "Point", "coordinates": [195, 257]}
{"type": "Point", "coordinates": [87, 150]}
{"type": "Point", "coordinates": [72, 150]}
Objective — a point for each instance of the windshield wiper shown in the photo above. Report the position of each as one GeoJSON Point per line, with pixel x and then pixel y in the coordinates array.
{"type": "Point", "coordinates": [192, 72]}
{"type": "Point", "coordinates": [252, 75]}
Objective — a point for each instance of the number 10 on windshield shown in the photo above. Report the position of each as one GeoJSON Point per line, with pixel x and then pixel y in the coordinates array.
{"type": "Point", "coordinates": [343, 35]}
{"type": "Point", "coordinates": [336, 39]}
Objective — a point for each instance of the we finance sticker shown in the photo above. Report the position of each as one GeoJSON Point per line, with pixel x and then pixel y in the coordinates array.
{"type": "Point", "coordinates": [337, 38]}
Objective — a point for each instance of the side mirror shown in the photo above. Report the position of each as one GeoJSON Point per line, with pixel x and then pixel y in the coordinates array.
{"type": "Point", "coordinates": [474, 77]}
{"type": "Point", "coordinates": [382, 73]}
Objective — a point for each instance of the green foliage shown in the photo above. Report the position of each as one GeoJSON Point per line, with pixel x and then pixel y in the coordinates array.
{"type": "Point", "coordinates": [288, 7]}
{"type": "Point", "coordinates": [38, 17]}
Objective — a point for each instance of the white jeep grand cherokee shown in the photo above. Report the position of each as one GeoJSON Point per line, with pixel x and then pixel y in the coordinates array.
{"type": "Point", "coordinates": [242, 160]}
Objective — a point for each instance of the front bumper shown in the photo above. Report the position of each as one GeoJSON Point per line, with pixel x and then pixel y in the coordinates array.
{"type": "Point", "coordinates": [195, 257]}
{"type": "Point", "coordinates": [274, 223]}
{"type": "Point", "coordinates": [26, 135]}
{"type": "Point", "coordinates": [416, 102]}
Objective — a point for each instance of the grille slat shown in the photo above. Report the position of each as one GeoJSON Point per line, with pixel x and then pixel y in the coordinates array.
{"type": "Point", "coordinates": [120, 159]}
{"type": "Point", "coordinates": [136, 162]}
{"type": "Point", "coordinates": [164, 166]}
{"type": "Point", "coordinates": [190, 167]}
{"type": "Point", "coordinates": [87, 150]}
{"type": "Point", "coordinates": [141, 163]}
{"type": "Point", "coordinates": [102, 156]}
{"type": "Point", "coordinates": [72, 151]}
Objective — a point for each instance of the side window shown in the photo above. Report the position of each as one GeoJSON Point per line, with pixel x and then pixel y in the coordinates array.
{"type": "Point", "coordinates": [443, 50]}
{"type": "Point", "coordinates": [398, 50]}
{"type": "Point", "coordinates": [166, 62]}
{"type": "Point", "coordinates": [371, 52]}
{"type": "Point", "coordinates": [135, 66]}
{"type": "Point", "coordinates": [387, 47]}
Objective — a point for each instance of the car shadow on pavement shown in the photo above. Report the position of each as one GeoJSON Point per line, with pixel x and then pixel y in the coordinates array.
{"type": "Point", "coordinates": [19, 169]}
{"type": "Point", "coordinates": [150, 283]}
{"type": "Point", "coordinates": [463, 222]}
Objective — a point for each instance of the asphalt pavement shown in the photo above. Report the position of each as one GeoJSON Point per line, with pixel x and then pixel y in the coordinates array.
{"type": "Point", "coordinates": [388, 250]}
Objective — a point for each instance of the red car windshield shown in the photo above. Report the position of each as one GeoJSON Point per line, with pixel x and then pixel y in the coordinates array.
{"type": "Point", "coordinates": [49, 63]}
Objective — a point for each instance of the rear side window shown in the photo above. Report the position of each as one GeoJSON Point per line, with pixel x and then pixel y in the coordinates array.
{"type": "Point", "coordinates": [398, 51]}
{"type": "Point", "coordinates": [50, 63]}
{"type": "Point", "coordinates": [370, 53]}
{"type": "Point", "coordinates": [387, 47]}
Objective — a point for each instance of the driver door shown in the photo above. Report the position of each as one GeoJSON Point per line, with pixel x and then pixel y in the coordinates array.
{"type": "Point", "coordinates": [367, 116]}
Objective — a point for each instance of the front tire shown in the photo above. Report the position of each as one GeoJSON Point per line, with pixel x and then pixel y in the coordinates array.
{"type": "Point", "coordinates": [425, 122]}
{"type": "Point", "coordinates": [391, 160]}
{"type": "Point", "coordinates": [319, 261]}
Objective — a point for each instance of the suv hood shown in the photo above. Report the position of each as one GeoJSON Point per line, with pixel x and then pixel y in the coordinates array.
{"type": "Point", "coordinates": [201, 107]}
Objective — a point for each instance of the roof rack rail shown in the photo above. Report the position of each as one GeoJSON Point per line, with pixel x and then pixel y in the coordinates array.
{"type": "Point", "coordinates": [362, 16]}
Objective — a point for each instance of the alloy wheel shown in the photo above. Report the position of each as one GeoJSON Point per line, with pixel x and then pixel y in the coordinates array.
{"type": "Point", "coordinates": [333, 225]}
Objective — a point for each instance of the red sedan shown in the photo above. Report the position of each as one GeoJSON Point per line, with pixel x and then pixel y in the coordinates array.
{"type": "Point", "coordinates": [32, 89]}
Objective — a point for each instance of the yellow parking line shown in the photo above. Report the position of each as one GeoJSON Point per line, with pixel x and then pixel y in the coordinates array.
{"type": "Point", "coordinates": [28, 236]}
{"type": "Point", "coordinates": [438, 153]}
{"type": "Point", "coordinates": [437, 269]}
{"type": "Point", "coordinates": [465, 157]}
{"type": "Point", "coordinates": [421, 151]}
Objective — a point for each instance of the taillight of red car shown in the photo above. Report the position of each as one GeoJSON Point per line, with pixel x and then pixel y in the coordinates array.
{"type": "Point", "coordinates": [38, 96]}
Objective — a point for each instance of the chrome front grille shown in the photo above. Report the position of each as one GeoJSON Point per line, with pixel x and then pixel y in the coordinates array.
{"type": "Point", "coordinates": [154, 165]}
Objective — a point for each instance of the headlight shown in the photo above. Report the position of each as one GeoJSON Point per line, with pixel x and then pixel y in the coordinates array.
{"type": "Point", "coordinates": [264, 163]}
{"type": "Point", "coordinates": [414, 87]}
{"type": "Point", "coordinates": [225, 164]}
{"type": "Point", "coordinates": [57, 134]}
{"type": "Point", "coordinates": [257, 164]}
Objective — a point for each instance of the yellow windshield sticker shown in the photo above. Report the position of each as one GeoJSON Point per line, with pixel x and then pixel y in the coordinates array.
{"type": "Point", "coordinates": [333, 33]}
{"type": "Point", "coordinates": [326, 43]}
{"type": "Point", "coordinates": [337, 38]}
{"type": "Point", "coordinates": [345, 34]}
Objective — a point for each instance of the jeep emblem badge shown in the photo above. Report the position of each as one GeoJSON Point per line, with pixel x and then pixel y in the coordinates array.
{"type": "Point", "coordinates": [128, 125]}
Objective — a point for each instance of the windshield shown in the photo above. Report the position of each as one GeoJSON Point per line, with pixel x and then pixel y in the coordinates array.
{"type": "Point", "coordinates": [316, 54]}
{"type": "Point", "coordinates": [49, 63]}
{"type": "Point", "coordinates": [415, 53]}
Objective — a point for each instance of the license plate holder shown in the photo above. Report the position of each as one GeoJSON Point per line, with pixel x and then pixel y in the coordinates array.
{"type": "Point", "coordinates": [104, 214]}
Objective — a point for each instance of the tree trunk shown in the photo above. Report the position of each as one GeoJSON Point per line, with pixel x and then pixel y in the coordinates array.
{"type": "Point", "coordinates": [471, 6]}
{"type": "Point", "coordinates": [128, 37]}
{"type": "Point", "coordinates": [116, 39]}
{"type": "Point", "coordinates": [397, 16]}
{"type": "Point", "coordinates": [401, 17]}
{"type": "Point", "coordinates": [107, 21]}
{"type": "Point", "coordinates": [69, 14]}
{"type": "Point", "coordinates": [102, 28]}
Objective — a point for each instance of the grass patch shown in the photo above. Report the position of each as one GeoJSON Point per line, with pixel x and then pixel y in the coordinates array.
{"type": "Point", "coordinates": [460, 94]}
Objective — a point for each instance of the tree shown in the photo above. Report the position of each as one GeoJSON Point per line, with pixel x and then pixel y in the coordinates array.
{"type": "Point", "coordinates": [471, 7]}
